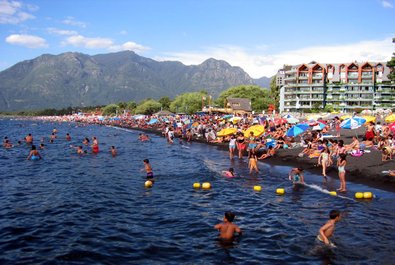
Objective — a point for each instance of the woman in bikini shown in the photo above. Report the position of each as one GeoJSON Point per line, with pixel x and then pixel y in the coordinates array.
{"type": "Point", "coordinates": [341, 164]}
{"type": "Point", "coordinates": [240, 143]}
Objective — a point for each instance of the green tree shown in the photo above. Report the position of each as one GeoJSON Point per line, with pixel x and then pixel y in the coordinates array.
{"type": "Point", "coordinates": [188, 102]}
{"type": "Point", "coordinates": [260, 98]}
{"type": "Point", "coordinates": [131, 105]}
{"type": "Point", "coordinates": [110, 109]}
{"type": "Point", "coordinates": [275, 92]}
{"type": "Point", "coordinates": [165, 101]}
{"type": "Point", "coordinates": [122, 105]}
{"type": "Point", "coordinates": [148, 107]}
{"type": "Point", "coordinates": [317, 106]}
{"type": "Point", "coordinates": [391, 64]}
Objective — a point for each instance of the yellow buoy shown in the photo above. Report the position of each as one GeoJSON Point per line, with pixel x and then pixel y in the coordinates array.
{"type": "Point", "coordinates": [333, 193]}
{"type": "Point", "coordinates": [367, 195]}
{"type": "Point", "coordinates": [257, 188]}
{"type": "Point", "coordinates": [196, 185]}
{"type": "Point", "coordinates": [206, 185]}
{"type": "Point", "coordinates": [148, 184]}
{"type": "Point", "coordinates": [358, 195]}
{"type": "Point", "coordinates": [280, 191]}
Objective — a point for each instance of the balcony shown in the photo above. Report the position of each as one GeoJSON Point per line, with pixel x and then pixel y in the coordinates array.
{"type": "Point", "coordinates": [317, 76]}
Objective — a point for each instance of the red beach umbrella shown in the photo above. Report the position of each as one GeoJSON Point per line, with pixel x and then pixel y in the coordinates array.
{"type": "Point", "coordinates": [278, 121]}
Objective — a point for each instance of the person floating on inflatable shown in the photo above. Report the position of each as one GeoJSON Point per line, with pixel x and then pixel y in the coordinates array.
{"type": "Point", "coordinates": [229, 174]}
{"type": "Point", "coordinates": [34, 154]}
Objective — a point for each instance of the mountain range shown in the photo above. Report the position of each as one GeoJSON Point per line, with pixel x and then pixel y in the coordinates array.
{"type": "Point", "coordinates": [75, 79]}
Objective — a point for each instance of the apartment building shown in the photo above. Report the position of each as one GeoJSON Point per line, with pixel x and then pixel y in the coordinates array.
{"type": "Point", "coordinates": [346, 87]}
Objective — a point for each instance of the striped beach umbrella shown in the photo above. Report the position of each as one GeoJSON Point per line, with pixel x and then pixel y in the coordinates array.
{"type": "Point", "coordinates": [352, 123]}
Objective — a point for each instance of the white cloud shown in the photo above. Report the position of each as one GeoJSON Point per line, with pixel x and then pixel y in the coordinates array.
{"type": "Point", "coordinates": [12, 12]}
{"type": "Point", "coordinates": [29, 41]}
{"type": "Point", "coordinates": [102, 43]}
{"type": "Point", "coordinates": [62, 32]}
{"type": "Point", "coordinates": [129, 46]}
{"type": "Point", "coordinates": [386, 4]}
{"type": "Point", "coordinates": [89, 43]}
{"type": "Point", "coordinates": [257, 64]}
{"type": "Point", "coordinates": [72, 22]}
{"type": "Point", "coordinates": [123, 32]}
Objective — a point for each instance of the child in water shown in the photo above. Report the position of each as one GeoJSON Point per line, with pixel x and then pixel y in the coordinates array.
{"type": "Point", "coordinates": [113, 151]}
{"type": "Point", "coordinates": [227, 229]}
{"type": "Point", "coordinates": [34, 154]}
{"type": "Point", "coordinates": [253, 162]}
{"type": "Point", "coordinates": [230, 173]}
{"type": "Point", "coordinates": [148, 169]}
{"type": "Point", "coordinates": [326, 231]}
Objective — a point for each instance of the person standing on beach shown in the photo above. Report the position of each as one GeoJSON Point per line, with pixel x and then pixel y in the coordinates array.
{"type": "Point", "coordinates": [240, 142]}
{"type": "Point", "coordinates": [341, 164]}
{"type": "Point", "coordinates": [324, 160]}
{"type": "Point", "coordinates": [232, 146]}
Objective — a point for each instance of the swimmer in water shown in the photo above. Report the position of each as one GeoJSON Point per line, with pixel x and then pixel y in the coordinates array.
{"type": "Point", "coordinates": [86, 141]}
{"type": "Point", "coordinates": [34, 154]}
{"type": "Point", "coordinates": [68, 137]}
{"type": "Point", "coordinates": [29, 139]}
{"type": "Point", "coordinates": [252, 162]}
{"type": "Point", "coordinates": [113, 151]}
{"type": "Point", "coordinates": [227, 229]}
{"type": "Point", "coordinates": [296, 176]}
{"type": "Point", "coordinates": [148, 169]}
{"type": "Point", "coordinates": [230, 173]}
{"type": "Point", "coordinates": [95, 145]}
{"type": "Point", "coordinates": [42, 146]}
{"type": "Point", "coordinates": [326, 231]}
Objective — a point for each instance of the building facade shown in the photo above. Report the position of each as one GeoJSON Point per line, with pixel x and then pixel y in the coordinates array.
{"type": "Point", "coordinates": [346, 87]}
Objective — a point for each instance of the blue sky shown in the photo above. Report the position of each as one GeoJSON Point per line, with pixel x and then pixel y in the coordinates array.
{"type": "Point", "coordinates": [258, 35]}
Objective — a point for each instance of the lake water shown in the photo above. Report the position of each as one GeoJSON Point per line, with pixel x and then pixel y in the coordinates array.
{"type": "Point", "coordinates": [94, 209]}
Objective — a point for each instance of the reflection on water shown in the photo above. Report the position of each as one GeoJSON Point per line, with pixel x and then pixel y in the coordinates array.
{"type": "Point", "coordinates": [94, 208]}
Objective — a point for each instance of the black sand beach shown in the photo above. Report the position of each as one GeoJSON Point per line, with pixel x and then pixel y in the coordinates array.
{"type": "Point", "coordinates": [367, 169]}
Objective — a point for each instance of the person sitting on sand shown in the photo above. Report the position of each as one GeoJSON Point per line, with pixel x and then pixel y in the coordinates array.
{"type": "Point", "coordinates": [227, 229]}
{"type": "Point", "coordinates": [269, 153]}
{"type": "Point", "coordinates": [353, 146]}
{"type": "Point", "coordinates": [391, 173]}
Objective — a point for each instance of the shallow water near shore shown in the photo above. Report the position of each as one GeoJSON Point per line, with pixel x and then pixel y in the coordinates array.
{"type": "Point", "coordinates": [94, 209]}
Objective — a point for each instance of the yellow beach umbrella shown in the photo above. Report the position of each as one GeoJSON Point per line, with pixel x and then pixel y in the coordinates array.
{"type": "Point", "coordinates": [347, 116]}
{"type": "Point", "coordinates": [369, 118]}
{"type": "Point", "coordinates": [257, 129]}
{"type": "Point", "coordinates": [235, 119]}
{"type": "Point", "coordinates": [390, 118]}
{"type": "Point", "coordinates": [226, 132]}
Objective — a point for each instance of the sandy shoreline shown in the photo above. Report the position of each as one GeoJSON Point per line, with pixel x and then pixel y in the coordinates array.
{"type": "Point", "coordinates": [366, 169]}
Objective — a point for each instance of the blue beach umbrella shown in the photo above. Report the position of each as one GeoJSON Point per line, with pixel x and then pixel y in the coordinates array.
{"type": "Point", "coordinates": [297, 129]}
{"type": "Point", "coordinates": [352, 123]}
{"type": "Point", "coordinates": [152, 121]}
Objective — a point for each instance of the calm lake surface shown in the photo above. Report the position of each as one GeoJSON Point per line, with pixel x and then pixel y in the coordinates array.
{"type": "Point", "coordinates": [94, 209]}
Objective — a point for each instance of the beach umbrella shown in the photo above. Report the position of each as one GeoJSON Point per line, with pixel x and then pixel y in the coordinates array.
{"type": "Point", "coordinates": [313, 117]}
{"type": "Point", "coordinates": [234, 119]}
{"type": "Point", "coordinates": [369, 118]}
{"type": "Point", "coordinates": [152, 121]}
{"type": "Point", "coordinates": [320, 126]}
{"type": "Point", "coordinates": [288, 116]}
{"type": "Point", "coordinates": [390, 118]}
{"type": "Point", "coordinates": [292, 120]}
{"type": "Point", "coordinates": [352, 123]}
{"type": "Point", "coordinates": [195, 124]}
{"type": "Point", "coordinates": [139, 117]}
{"type": "Point", "coordinates": [258, 130]}
{"type": "Point", "coordinates": [226, 132]}
{"type": "Point", "coordinates": [344, 117]}
{"type": "Point", "coordinates": [278, 121]}
{"type": "Point", "coordinates": [297, 129]}
{"type": "Point", "coordinates": [227, 116]}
